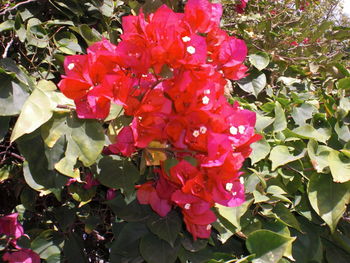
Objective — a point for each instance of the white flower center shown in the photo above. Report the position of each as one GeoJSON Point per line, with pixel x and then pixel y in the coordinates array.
{"type": "Point", "coordinates": [195, 133]}
{"type": "Point", "coordinates": [234, 193]}
{"type": "Point", "coordinates": [208, 227]}
{"type": "Point", "coordinates": [241, 180]}
{"type": "Point", "coordinates": [203, 129]}
{"type": "Point", "coordinates": [191, 50]}
{"type": "Point", "coordinates": [187, 206]}
{"type": "Point", "coordinates": [186, 39]}
{"type": "Point", "coordinates": [233, 130]}
{"type": "Point", "coordinates": [241, 129]}
{"type": "Point", "coordinates": [70, 66]}
{"type": "Point", "coordinates": [205, 100]}
{"type": "Point", "coordinates": [229, 186]}
{"type": "Point", "coordinates": [207, 91]}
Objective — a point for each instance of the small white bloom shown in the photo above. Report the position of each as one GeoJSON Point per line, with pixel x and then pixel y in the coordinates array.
{"type": "Point", "coordinates": [195, 133]}
{"type": "Point", "coordinates": [241, 129]}
{"type": "Point", "coordinates": [207, 91]}
{"type": "Point", "coordinates": [233, 130]}
{"type": "Point", "coordinates": [234, 193]}
{"type": "Point", "coordinates": [187, 206]}
{"type": "Point", "coordinates": [208, 227]}
{"type": "Point", "coordinates": [205, 100]}
{"type": "Point", "coordinates": [70, 66]}
{"type": "Point", "coordinates": [203, 129]}
{"type": "Point", "coordinates": [191, 50]}
{"type": "Point", "coordinates": [241, 180]}
{"type": "Point", "coordinates": [186, 39]}
{"type": "Point", "coordinates": [229, 186]}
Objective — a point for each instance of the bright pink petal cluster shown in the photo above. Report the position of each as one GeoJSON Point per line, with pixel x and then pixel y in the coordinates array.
{"type": "Point", "coordinates": [241, 6]}
{"type": "Point", "coordinates": [10, 227]}
{"type": "Point", "coordinates": [169, 72]}
{"type": "Point", "coordinates": [22, 256]}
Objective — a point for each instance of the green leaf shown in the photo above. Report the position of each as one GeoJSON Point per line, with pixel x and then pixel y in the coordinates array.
{"type": "Point", "coordinates": [327, 198]}
{"type": "Point", "coordinates": [120, 174]}
{"type": "Point", "coordinates": [262, 122]}
{"type": "Point", "coordinates": [201, 256]}
{"type": "Point", "coordinates": [340, 167]}
{"type": "Point", "coordinates": [259, 198]}
{"type": "Point", "coordinates": [307, 247]}
{"type": "Point", "coordinates": [4, 126]}
{"type": "Point", "coordinates": [166, 228]}
{"type": "Point", "coordinates": [67, 43]}
{"type": "Point", "coordinates": [309, 132]}
{"type": "Point", "coordinates": [107, 8]}
{"type": "Point", "coordinates": [260, 60]}
{"type": "Point", "coordinates": [37, 172]}
{"type": "Point", "coordinates": [267, 246]}
{"type": "Point", "coordinates": [280, 122]}
{"type": "Point", "coordinates": [155, 250]}
{"type": "Point", "coordinates": [303, 113]}
{"type": "Point", "coordinates": [11, 68]}
{"type": "Point", "coordinates": [343, 83]}
{"type": "Point", "coordinates": [343, 132]}
{"type": "Point", "coordinates": [318, 155]}
{"type": "Point", "coordinates": [253, 84]}
{"type": "Point", "coordinates": [90, 35]}
{"type": "Point", "coordinates": [285, 216]}
{"type": "Point", "coordinates": [12, 96]}
{"type": "Point", "coordinates": [7, 25]}
{"type": "Point", "coordinates": [280, 155]}
{"type": "Point", "coordinates": [81, 194]}
{"type": "Point", "coordinates": [47, 244]}
{"type": "Point", "coordinates": [85, 141]}
{"type": "Point", "coordinates": [37, 110]}
{"type": "Point", "coordinates": [36, 34]}
{"type": "Point", "coordinates": [128, 240]}
{"type": "Point", "coordinates": [230, 216]}
{"type": "Point", "coordinates": [260, 150]}
{"type": "Point", "coordinates": [74, 249]}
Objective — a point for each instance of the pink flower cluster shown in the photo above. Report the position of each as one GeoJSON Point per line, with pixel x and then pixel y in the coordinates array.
{"type": "Point", "coordinates": [241, 6]}
{"type": "Point", "coordinates": [169, 72]}
{"type": "Point", "coordinates": [10, 227]}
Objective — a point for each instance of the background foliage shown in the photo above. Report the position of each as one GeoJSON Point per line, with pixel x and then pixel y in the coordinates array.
{"type": "Point", "coordinates": [297, 178]}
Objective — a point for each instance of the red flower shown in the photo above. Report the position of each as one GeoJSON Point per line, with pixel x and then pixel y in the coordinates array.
{"type": "Point", "coordinates": [240, 7]}
{"type": "Point", "coordinates": [124, 142]}
{"type": "Point", "coordinates": [90, 181]}
{"type": "Point", "coordinates": [197, 214]}
{"type": "Point", "coordinates": [10, 226]}
{"type": "Point", "coordinates": [111, 194]}
{"type": "Point", "coordinates": [202, 15]}
{"type": "Point", "coordinates": [22, 256]}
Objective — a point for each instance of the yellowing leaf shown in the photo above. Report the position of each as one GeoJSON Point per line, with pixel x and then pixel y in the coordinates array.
{"type": "Point", "coordinates": [155, 156]}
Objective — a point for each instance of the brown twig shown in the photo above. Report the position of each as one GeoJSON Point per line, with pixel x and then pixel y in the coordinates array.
{"type": "Point", "coordinates": [8, 45]}
{"type": "Point", "coordinates": [16, 6]}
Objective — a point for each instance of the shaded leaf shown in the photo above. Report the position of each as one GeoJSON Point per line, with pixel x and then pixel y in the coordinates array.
{"type": "Point", "coordinates": [166, 228]}
{"type": "Point", "coordinates": [253, 84]}
{"type": "Point", "coordinates": [327, 198]}
{"type": "Point", "coordinates": [155, 250]}
{"type": "Point", "coordinates": [37, 110]}
{"type": "Point", "coordinates": [267, 246]}
{"type": "Point", "coordinates": [120, 174]}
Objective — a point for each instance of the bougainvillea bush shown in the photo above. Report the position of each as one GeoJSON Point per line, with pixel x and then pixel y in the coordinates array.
{"type": "Point", "coordinates": [174, 131]}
